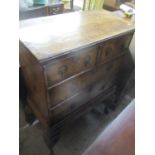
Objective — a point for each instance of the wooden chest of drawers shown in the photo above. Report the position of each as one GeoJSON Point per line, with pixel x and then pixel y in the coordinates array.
{"type": "Point", "coordinates": [71, 61]}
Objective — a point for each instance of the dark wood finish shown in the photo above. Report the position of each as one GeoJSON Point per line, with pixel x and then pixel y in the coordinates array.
{"type": "Point", "coordinates": [68, 71]}
{"type": "Point", "coordinates": [65, 67]}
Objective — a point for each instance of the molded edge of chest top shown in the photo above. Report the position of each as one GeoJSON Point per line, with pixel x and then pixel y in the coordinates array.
{"type": "Point", "coordinates": [47, 37]}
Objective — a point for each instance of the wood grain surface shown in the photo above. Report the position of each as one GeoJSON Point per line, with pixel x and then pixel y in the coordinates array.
{"type": "Point", "coordinates": [52, 36]}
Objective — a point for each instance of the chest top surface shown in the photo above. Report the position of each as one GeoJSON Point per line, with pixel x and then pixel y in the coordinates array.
{"type": "Point", "coordinates": [47, 37]}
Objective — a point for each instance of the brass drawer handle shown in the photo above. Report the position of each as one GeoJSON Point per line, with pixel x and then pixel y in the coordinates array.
{"type": "Point", "coordinates": [62, 71]}
{"type": "Point", "coordinates": [87, 61]}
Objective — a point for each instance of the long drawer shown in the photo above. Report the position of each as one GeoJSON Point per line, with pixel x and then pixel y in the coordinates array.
{"type": "Point", "coordinates": [63, 68]}
{"type": "Point", "coordinates": [72, 86]}
{"type": "Point", "coordinates": [79, 99]}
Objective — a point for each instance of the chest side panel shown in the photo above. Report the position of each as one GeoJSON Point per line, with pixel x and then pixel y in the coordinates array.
{"type": "Point", "coordinates": [35, 83]}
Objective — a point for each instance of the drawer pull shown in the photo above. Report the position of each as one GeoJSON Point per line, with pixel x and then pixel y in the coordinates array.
{"type": "Point", "coordinates": [62, 71]}
{"type": "Point", "coordinates": [87, 61]}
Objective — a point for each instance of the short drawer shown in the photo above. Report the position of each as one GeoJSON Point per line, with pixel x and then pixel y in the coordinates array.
{"type": "Point", "coordinates": [113, 48]}
{"type": "Point", "coordinates": [63, 68]}
{"type": "Point", "coordinates": [72, 86]}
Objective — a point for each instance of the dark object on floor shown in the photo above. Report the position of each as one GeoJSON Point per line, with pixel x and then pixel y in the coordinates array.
{"type": "Point", "coordinates": [119, 137]}
{"type": "Point", "coordinates": [67, 75]}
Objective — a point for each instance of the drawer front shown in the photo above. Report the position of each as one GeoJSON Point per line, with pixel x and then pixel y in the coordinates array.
{"type": "Point", "coordinates": [113, 48]}
{"type": "Point", "coordinates": [69, 88]}
{"type": "Point", "coordinates": [53, 10]}
{"type": "Point", "coordinates": [65, 67]}
{"type": "Point", "coordinates": [81, 98]}
{"type": "Point", "coordinates": [59, 112]}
